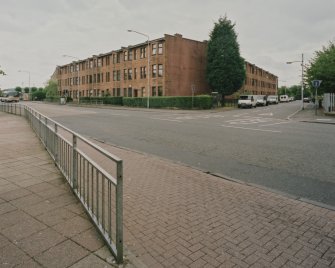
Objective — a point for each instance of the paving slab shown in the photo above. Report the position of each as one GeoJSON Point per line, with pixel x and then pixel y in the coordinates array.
{"type": "Point", "coordinates": [39, 214]}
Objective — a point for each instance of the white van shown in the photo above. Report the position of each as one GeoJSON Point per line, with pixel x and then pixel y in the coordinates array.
{"type": "Point", "coordinates": [272, 99]}
{"type": "Point", "coordinates": [247, 101]}
{"type": "Point", "coordinates": [283, 98]}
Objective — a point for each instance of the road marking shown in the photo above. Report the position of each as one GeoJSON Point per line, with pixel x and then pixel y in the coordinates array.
{"type": "Point", "coordinates": [256, 129]}
{"type": "Point", "coordinates": [249, 121]}
{"type": "Point", "coordinates": [173, 120]}
{"type": "Point", "coordinates": [289, 117]}
{"type": "Point", "coordinates": [270, 114]}
{"type": "Point", "coordinates": [320, 119]}
{"type": "Point", "coordinates": [275, 124]}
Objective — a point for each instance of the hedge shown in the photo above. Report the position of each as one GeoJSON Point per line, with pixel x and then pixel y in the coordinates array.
{"type": "Point", "coordinates": [103, 100]}
{"type": "Point", "coordinates": [198, 102]}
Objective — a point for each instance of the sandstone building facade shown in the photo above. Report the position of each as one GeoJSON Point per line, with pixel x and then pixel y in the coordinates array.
{"type": "Point", "coordinates": [177, 68]}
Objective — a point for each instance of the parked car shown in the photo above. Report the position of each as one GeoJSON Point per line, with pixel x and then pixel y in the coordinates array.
{"type": "Point", "coordinates": [261, 100]}
{"type": "Point", "coordinates": [283, 98]}
{"type": "Point", "coordinates": [308, 100]}
{"type": "Point", "coordinates": [247, 101]}
{"type": "Point", "coordinates": [272, 99]}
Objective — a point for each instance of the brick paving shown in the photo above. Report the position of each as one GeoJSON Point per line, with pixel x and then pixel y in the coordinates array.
{"type": "Point", "coordinates": [174, 216]}
{"type": "Point", "coordinates": [42, 224]}
{"type": "Point", "coordinates": [177, 216]}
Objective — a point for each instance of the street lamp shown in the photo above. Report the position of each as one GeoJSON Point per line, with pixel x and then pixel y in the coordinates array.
{"type": "Point", "coordinates": [302, 78]}
{"type": "Point", "coordinates": [68, 56]}
{"type": "Point", "coordinates": [23, 71]}
{"type": "Point", "coordinates": [148, 92]}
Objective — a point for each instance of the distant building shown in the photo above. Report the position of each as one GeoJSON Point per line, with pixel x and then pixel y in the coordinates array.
{"type": "Point", "coordinates": [177, 68]}
{"type": "Point", "coordinates": [259, 81]}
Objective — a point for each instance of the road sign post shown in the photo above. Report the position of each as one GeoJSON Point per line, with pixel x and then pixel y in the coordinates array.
{"type": "Point", "coordinates": [316, 84]}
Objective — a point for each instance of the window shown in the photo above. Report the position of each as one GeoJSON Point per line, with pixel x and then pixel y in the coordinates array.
{"type": "Point", "coordinates": [154, 49]}
{"type": "Point", "coordinates": [94, 78]}
{"type": "Point", "coordinates": [108, 77]}
{"type": "Point", "coordinates": [114, 58]}
{"type": "Point", "coordinates": [125, 55]}
{"type": "Point", "coordinates": [135, 53]}
{"type": "Point", "coordinates": [143, 72]}
{"type": "Point", "coordinates": [114, 76]}
{"type": "Point", "coordinates": [118, 75]}
{"type": "Point", "coordinates": [98, 78]}
{"type": "Point", "coordinates": [91, 64]}
{"type": "Point", "coordinates": [135, 70]}
{"type": "Point", "coordinates": [154, 70]}
{"type": "Point", "coordinates": [160, 70]}
{"type": "Point", "coordinates": [130, 92]}
{"type": "Point", "coordinates": [153, 91]}
{"type": "Point", "coordinates": [114, 92]}
{"type": "Point", "coordinates": [125, 74]}
{"type": "Point", "coordinates": [160, 91]}
{"type": "Point", "coordinates": [124, 92]}
{"type": "Point", "coordinates": [118, 92]}
{"type": "Point", "coordinates": [130, 56]}
{"type": "Point", "coordinates": [130, 74]}
{"type": "Point", "coordinates": [107, 60]}
{"type": "Point", "coordinates": [118, 58]}
{"type": "Point", "coordinates": [99, 62]}
{"type": "Point", "coordinates": [160, 48]}
{"type": "Point", "coordinates": [143, 52]}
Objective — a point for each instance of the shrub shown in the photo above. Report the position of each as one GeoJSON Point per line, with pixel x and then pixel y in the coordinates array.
{"type": "Point", "coordinates": [103, 100]}
{"type": "Point", "coordinates": [198, 102]}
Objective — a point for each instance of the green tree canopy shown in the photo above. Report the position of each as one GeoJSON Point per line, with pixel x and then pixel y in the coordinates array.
{"type": "Point", "coordinates": [18, 89]}
{"type": "Point", "coordinates": [26, 90]}
{"type": "Point", "coordinates": [322, 67]}
{"type": "Point", "coordinates": [225, 67]}
{"type": "Point", "coordinates": [51, 89]}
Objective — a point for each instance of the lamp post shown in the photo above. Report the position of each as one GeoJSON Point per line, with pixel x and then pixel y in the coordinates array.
{"type": "Point", "coordinates": [22, 71]}
{"type": "Point", "coordinates": [148, 92]}
{"type": "Point", "coordinates": [302, 78]}
{"type": "Point", "coordinates": [68, 56]}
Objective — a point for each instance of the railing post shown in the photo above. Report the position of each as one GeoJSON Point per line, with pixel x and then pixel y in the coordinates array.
{"type": "Point", "coordinates": [74, 162]}
{"type": "Point", "coordinates": [39, 126]}
{"type": "Point", "coordinates": [46, 132]}
{"type": "Point", "coordinates": [119, 212]}
{"type": "Point", "coordinates": [56, 144]}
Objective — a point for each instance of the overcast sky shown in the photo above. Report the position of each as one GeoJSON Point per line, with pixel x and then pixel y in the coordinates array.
{"type": "Point", "coordinates": [34, 34]}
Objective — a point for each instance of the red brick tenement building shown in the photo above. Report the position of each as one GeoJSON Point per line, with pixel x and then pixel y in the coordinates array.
{"type": "Point", "coordinates": [177, 68]}
{"type": "Point", "coordinates": [259, 81]}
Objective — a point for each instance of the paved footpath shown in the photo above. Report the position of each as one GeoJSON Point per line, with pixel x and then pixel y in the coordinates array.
{"type": "Point", "coordinates": [42, 224]}
{"type": "Point", "coordinates": [174, 215]}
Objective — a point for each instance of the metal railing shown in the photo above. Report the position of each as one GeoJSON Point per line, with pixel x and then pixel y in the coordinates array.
{"type": "Point", "coordinates": [329, 102]}
{"type": "Point", "coordinates": [95, 175]}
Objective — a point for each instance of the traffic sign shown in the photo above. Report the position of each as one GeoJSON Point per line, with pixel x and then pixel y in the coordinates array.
{"type": "Point", "coordinates": [316, 83]}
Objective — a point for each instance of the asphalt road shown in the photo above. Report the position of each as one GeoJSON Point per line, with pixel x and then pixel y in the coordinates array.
{"type": "Point", "coordinates": [258, 146]}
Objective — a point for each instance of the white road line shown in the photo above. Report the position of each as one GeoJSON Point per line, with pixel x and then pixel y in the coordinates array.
{"type": "Point", "coordinates": [275, 124]}
{"type": "Point", "coordinates": [173, 120]}
{"type": "Point", "coordinates": [289, 117]}
{"type": "Point", "coordinates": [256, 129]}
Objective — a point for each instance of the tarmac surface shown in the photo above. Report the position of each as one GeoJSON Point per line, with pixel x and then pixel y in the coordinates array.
{"type": "Point", "coordinates": [174, 215]}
